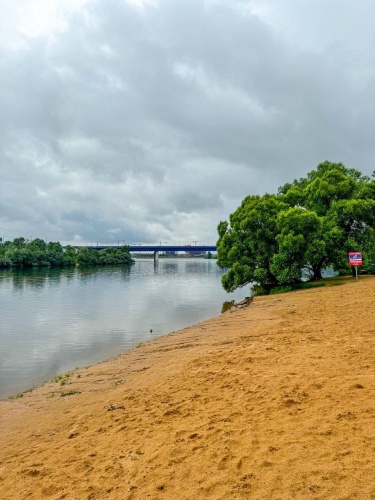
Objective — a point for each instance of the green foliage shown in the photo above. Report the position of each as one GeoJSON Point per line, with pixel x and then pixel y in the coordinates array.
{"type": "Point", "coordinates": [70, 256]}
{"type": "Point", "coordinates": [87, 257]}
{"type": "Point", "coordinates": [107, 256]}
{"type": "Point", "coordinates": [37, 244]}
{"type": "Point", "coordinates": [309, 224]}
{"type": "Point", "coordinates": [369, 254]}
{"type": "Point", "coordinates": [115, 256]}
{"type": "Point", "coordinates": [247, 245]}
{"type": "Point", "coordinates": [19, 243]}
{"type": "Point", "coordinates": [22, 254]}
{"type": "Point", "coordinates": [368, 268]}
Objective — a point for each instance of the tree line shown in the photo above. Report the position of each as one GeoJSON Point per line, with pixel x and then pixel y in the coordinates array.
{"type": "Point", "coordinates": [20, 253]}
{"type": "Point", "coordinates": [310, 224]}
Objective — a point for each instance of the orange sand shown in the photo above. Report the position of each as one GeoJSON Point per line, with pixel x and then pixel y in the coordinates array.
{"type": "Point", "coordinates": [272, 401]}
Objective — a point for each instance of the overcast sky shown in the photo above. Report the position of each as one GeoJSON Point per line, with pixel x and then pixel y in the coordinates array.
{"type": "Point", "coordinates": [149, 121]}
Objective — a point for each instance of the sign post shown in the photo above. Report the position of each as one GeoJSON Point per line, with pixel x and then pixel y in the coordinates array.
{"type": "Point", "coordinates": [355, 259]}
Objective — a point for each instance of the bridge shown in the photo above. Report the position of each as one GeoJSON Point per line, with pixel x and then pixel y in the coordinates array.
{"type": "Point", "coordinates": [155, 249]}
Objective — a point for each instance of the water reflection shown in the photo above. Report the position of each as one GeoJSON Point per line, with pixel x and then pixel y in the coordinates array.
{"type": "Point", "coordinates": [169, 267]}
{"type": "Point", "coordinates": [53, 320]}
{"type": "Point", "coordinates": [36, 278]}
{"type": "Point", "coordinates": [195, 267]}
{"type": "Point", "coordinates": [228, 304]}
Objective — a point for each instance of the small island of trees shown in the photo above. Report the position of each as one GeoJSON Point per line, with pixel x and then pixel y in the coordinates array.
{"type": "Point", "coordinates": [310, 224]}
{"type": "Point", "coordinates": [20, 253]}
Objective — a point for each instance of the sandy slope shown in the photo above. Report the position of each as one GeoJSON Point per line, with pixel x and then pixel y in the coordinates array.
{"type": "Point", "coordinates": [274, 401]}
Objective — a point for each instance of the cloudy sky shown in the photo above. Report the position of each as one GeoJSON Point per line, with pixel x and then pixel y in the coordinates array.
{"type": "Point", "coordinates": [148, 121]}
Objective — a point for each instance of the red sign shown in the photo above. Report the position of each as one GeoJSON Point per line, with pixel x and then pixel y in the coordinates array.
{"type": "Point", "coordinates": [355, 258]}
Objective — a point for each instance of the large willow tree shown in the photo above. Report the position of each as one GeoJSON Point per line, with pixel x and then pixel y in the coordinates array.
{"type": "Point", "coordinates": [308, 225]}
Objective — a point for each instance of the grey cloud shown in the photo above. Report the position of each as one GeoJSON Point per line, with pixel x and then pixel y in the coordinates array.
{"type": "Point", "coordinates": [155, 122]}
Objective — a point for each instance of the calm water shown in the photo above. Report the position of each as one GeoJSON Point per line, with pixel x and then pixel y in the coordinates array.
{"type": "Point", "coordinates": [55, 320]}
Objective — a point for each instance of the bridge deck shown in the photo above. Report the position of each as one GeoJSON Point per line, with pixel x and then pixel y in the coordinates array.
{"type": "Point", "coordinates": [161, 248]}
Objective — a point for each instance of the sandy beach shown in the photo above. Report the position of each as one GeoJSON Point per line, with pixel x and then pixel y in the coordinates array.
{"type": "Point", "coordinates": [270, 401]}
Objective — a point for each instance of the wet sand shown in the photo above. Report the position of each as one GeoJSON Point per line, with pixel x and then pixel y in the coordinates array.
{"type": "Point", "coordinates": [271, 401]}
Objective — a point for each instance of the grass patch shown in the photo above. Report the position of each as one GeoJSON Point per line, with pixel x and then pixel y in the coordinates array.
{"type": "Point", "coordinates": [20, 395]}
{"type": "Point", "coordinates": [62, 378]}
{"type": "Point", "coordinates": [281, 289]}
{"type": "Point", "coordinates": [69, 393]}
{"type": "Point", "coordinates": [259, 290]}
{"type": "Point", "coordinates": [339, 280]}
{"type": "Point", "coordinates": [297, 286]}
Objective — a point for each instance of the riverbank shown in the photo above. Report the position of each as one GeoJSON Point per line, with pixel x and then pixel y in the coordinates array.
{"type": "Point", "coordinates": [271, 401]}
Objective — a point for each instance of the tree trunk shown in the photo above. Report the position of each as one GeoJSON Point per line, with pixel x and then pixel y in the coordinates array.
{"type": "Point", "coordinates": [317, 274]}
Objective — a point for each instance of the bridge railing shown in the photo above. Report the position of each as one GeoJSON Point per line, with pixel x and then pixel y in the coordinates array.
{"type": "Point", "coordinates": [159, 248]}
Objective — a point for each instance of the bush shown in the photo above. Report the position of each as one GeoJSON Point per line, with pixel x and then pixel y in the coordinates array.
{"type": "Point", "coordinates": [368, 268]}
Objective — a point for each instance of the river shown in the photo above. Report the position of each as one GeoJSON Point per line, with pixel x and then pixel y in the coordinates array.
{"type": "Point", "coordinates": [54, 320]}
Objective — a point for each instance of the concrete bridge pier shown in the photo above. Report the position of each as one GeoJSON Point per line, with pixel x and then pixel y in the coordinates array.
{"type": "Point", "coordinates": [156, 256]}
